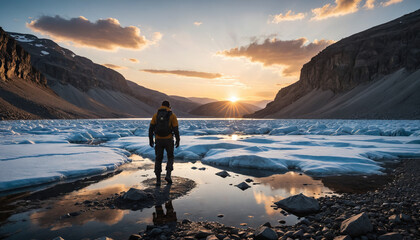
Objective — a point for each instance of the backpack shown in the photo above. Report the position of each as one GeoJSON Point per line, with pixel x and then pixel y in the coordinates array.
{"type": "Point", "coordinates": [162, 123]}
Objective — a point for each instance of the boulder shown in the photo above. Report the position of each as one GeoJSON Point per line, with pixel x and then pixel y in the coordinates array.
{"type": "Point", "coordinates": [299, 204]}
{"type": "Point", "coordinates": [356, 225]}
{"type": "Point", "coordinates": [135, 195]}
{"type": "Point", "coordinates": [212, 237]}
{"type": "Point", "coordinates": [243, 186]}
{"type": "Point", "coordinates": [343, 237]}
{"type": "Point", "coordinates": [391, 236]}
{"type": "Point", "coordinates": [265, 233]}
{"type": "Point", "coordinates": [223, 174]}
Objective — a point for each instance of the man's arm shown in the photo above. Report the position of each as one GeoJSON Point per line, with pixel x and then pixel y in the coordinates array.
{"type": "Point", "coordinates": [152, 130]}
{"type": "Point", "coordinates": [175, 129]}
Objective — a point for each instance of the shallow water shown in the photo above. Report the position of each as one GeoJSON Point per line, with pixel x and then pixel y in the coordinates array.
{"type": "Point", "coordinates": [213, 195]}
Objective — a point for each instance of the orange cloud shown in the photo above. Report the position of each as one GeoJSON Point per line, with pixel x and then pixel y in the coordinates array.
{"type": "Point", "coordinates": [369, 4]}
{"type": "Point", "coordinates": [289, 16]}
{"type": "Point", "coordinates": [291, 54]}
{"type": "Point", "coordinates": [134, 60]}
{"type": "Point", "coordinates": [185, 73]}
{"type": "Point", "coordinates": [390, 2]}
{"type": "Point", "coordinates": [105, 34]}
{"type": "Point", "coordinates": [198, 23]}
{"type": "Point", "coordinates": [341, 7]}
{"type": "Point", "coordinates": [109, 65]}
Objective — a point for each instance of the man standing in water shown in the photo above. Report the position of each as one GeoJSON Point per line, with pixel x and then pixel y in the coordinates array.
{"type": "Point", "coordinates": [164, 126]}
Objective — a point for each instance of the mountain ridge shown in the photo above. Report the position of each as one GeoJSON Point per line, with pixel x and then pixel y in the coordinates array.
{"type": "Point", "coordinates": [361, 60]}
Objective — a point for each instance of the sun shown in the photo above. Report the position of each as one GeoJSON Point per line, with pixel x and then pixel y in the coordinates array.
{"type": "Point", "coordinates": [233, 99]}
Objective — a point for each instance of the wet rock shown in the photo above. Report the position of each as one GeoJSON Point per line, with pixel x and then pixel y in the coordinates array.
{"type": "Point", "coordinates": [248, 180]}
{"type": "Point", "coordinates": [265, 233]}
{"type": "Point", "coordinates": [212, 237]}
{"type": "Point", "coordinates": [203, 233]}
{"type": "Point", "coordinates": [135, 195]}
{"type": "Point", "coordinates": [299, 204]}
{"type": "Point", "coordinates": [135, 237]}
{"type": "Point", "coordinates": [243, 186]}
{"type": "Point", "coordinates": [391, 236]}
{"type": "Point", "coordinates": [202, 168]}
{"type": "Point", "coordinates": [356, 225]}
{"type": "Point", "coordinates": [223, 174]}
{"type": "Point", "coordinates": [220, 215]}
{"type": "Point", "coordinates": [155, 231]}
{"type": "Point", "coordinates": [343, 237]}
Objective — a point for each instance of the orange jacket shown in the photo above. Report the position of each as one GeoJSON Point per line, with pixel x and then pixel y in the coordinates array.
{"type": "Point", "coordinates": [173, 122]}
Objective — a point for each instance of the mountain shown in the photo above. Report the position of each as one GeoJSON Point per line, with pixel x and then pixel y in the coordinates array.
{"type": "Point", "coordinates": [202, 100]}
{"type": "Point", "coordinates": [224, 109]}
{"type": "Point", "coordinates": [98, 90]}
{"type": "Point", "coordinates": [24, 93]}
{"type": "Point", "coordinates": [374, 74]}
{"type": "Point", "coordinates": [260, 103]}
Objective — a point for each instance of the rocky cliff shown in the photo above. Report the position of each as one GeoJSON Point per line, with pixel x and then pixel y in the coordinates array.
{"type": "Point", "coordinates": [24, 93]}
{"type": "Point", "coordinates": [91, 86]}
{"type": "Point", "coordinates": [337, 82]}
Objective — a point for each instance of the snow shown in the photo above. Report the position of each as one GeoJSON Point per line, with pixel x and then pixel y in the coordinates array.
{"type": "Point", "coordinates": [44, 151]}
{"type": "Point", "coordinates": [44, 52]}
{"type": "Point", "coordinates": [21, 38]}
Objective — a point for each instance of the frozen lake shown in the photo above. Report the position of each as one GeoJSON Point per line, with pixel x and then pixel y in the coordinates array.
{"type": "Point", "coordinates": [46, 151]}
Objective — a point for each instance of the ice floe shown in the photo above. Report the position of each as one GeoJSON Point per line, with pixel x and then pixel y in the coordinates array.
{"type": "Point", "coordinates": [43, 151]}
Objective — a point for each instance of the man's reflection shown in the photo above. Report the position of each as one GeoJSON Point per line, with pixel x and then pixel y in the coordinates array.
{"type": "Point", "coordinates": [159, 216]}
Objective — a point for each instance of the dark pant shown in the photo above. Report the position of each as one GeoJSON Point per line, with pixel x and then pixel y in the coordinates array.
{"type": "Point", "coordinates": [161, 145]}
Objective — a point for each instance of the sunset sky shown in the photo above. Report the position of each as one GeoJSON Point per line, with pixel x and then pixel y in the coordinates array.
{"type": "Point", "coordinates": [217, 49]}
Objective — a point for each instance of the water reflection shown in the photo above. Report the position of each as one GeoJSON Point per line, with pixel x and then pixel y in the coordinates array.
{"type": "Point", "coordinates": [160, 218]}
{"type": "Point", "coordinates": [55, 215]}
{"type": "Point", "coordinates": [292, 183]}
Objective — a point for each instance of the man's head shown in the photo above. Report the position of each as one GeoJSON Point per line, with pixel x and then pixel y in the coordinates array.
{"type": "Point", "coordinates": [166, 103]}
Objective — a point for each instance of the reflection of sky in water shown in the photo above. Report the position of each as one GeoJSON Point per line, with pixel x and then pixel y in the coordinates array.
{"type": "Point", "coordinates": [212, 196]}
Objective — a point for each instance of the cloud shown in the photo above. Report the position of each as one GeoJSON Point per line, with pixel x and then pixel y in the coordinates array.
{"type": "Point", "coordinates": [109, 65]}
{"type": "Point", "coordinates": [390, 2]}
{"type": "Point", "coordinates": [134, 60]}
{"type": "Point", "coordinates": [105, 34]}
{"type": "Point", "coordinates": [185, 73]}
{"type": "Point", "coordinates": [341, 7]}
{"type": "Point", "coordinates": [369, 4]}
{"type": "Point", "coordinates": [291, 54]}
{"type": "Point", "coordinates": [198, 23]}
{"type": "Point", "coordinates": [289, 16]}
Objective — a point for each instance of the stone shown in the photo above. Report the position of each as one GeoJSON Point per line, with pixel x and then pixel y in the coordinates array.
{"type": "Point", "coordinates": [248, 180]}
{"type": "Point", "coordinates": [220, 215]}
{"type": "Point", "coordinates": [395, 219]}
{"type": "Point", "coordinates": [299, 204]}
{"type": "Point", "coordinates": [243, 186]}
{"type": "Point", "coordinates": [155, 231]}
{"type": "Point", "coordinates": [58, 238]}
{"type": "Point", "coordinates": [203, 233]}
{"type": "Point", "coordinates": [135, 195]}
{"type": "Point", "coordinates": [104, 238]}
{"type": "Point", "coordinates": [343, 237]}
{"type": "Point", "coordinates": [265, 233]}
{"type": "Point", "coordinates": [212, 237]}
{"type": "Point", "coordinates": [356, 225]}
{"type": "Point", "coordinates": [134, 237]}
{"type": "Point", "coordinates": [223, 174]}
{"type": "Point", "coordinates": [391, 236]}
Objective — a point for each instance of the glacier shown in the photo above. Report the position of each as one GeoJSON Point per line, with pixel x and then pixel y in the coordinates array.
{"type": "Point", "coordinates": [35, 152]}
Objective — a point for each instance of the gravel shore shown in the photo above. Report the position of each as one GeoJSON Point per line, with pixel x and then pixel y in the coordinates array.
{"type": "Point", "coordinates": [393, 211]}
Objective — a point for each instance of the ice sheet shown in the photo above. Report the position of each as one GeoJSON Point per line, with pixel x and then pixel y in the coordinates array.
{"type": "Point", "coordinates": [40, 151]}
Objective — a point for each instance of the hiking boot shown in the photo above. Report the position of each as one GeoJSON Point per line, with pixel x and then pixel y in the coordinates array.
{"type": "Point", "coordinates": [168, 177]}
{"type": "Point", "coordinates": [158, 181]}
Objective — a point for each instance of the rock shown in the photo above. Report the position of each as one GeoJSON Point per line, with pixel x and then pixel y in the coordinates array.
{"type": "Point", "coordinates": [223, 174]}
{"type": "Point", "coordinates": [243, 186]}
{"type": "Point", "coordinates": [203, 233]}
{"type": "Point", "coordinates": [343, 237]}
{"type": "Point", "coordinates": [155, 231]}
{"type": "Point", "coordinates": [267, 224]}
{"type": "Point", "coordinates": [265, 233]}
{"type": "Point", "coordinates": [193, 168]}
{"type": "Point", "coordinates": [248, 180]}
{"type": "Point", "coordinates": [220, 215]}
{"type": "Point", "coordinates": [135, 195]}
{"type": "Point", "coordinates": [58, 238]}
{"type": "Point", "coordinates": [395, 218]}
{"type": "Point", "coordinates": [282, 221]}
{"type": "Point", "coordinates": [356, 225]}
{"type": "Point", "coordinates": [298, 234]}
{"type": "Point", "coordinates": [103, 238]}
{"type": "Point", "coordinates": [212, 237]}
{"type": "Point", "coordinates": [299, 204]}
{"type": "Point", "coordinates": [135, 237]}
{"type": "Point", "coordinates": [202, 168]}
{"type": "Point", "coordinates": [391, 236]}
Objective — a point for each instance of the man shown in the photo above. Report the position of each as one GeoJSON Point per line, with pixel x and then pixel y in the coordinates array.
{"type": "Point", "coordinates": [163, 126]}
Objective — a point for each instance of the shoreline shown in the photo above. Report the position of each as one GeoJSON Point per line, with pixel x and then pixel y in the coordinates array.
{"type": "Point", "coordinates": [392, 208]}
